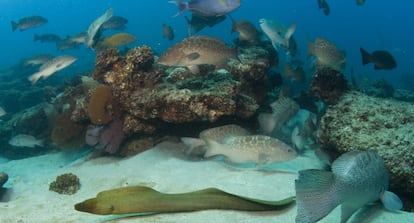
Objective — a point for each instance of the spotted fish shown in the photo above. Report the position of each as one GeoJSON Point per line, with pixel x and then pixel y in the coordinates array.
{"type": "Point", "coordinates": [327, 54]}
{"type": "Point", "coordinates": [196, 50]}
{"type": "Point", "coordinates": [95, 26]}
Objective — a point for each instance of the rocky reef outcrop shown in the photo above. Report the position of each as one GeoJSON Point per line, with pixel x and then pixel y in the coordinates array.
{"type": "Point", "coordinates": [361, 122]}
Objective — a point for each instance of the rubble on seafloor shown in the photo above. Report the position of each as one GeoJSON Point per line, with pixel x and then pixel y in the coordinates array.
{"type": "Point", "coordinates": [361, 122]}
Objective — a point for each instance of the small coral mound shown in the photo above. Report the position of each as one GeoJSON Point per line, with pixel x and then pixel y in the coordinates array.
{"type": "Point", "coordinates": [361, 122]}
{"type": "Point", "coordinates": [100, 105]}
{"type": "Point", "coordinates": [328, 85]}
{"type": "Point", "coordinates": [67, 183]}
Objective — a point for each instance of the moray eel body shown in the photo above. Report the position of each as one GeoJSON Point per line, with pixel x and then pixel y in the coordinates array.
{"type": "Point", "coordinates": [139, 199]}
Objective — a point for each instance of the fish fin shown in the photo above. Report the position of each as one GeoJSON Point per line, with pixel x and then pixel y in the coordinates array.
{"type": "Point", "coordinates": [182, 7]}
{"type": "Point", "coordinates": [366, 57]}
{"type": "Point", "coordinates": [34, 78]}
{"type": "Point", "coordinates": [194, 69]}
{"type": "Point", "coordinates": [193, 145]}
{"type": "Point", "coordinates": [14, 25]}
{"type": "Point", "coordinates": [289, 34]}
{"type": "Point", "coordinates": [40, 142]}
{"type": "Point", "coordinates": [391, 201]}
{"type": "Point", "coordinates": [213, 148]}
{"type": "Point", "coordinates": [192, 56]}
{"type": "Point", "coordinates": [267, 122]}
{"type": "Point", "coordinates": [315, 196]}
{"type": "Point", "coordinates": [348, 209]}
{"type": "Point", "coordinates": [311, 48]}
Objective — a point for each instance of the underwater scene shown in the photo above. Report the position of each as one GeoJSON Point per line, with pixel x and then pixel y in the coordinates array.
{"type": "Point", "coordinates": [205, 111]}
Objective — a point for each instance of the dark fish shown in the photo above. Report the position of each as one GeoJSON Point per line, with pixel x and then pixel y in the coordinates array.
{"type": "Point", "coordinates": [324, 6]}
{"type": "Point", "coordinates": [381, 59]}
{"type": "Point", "coordinates": [247, 31]}
{"type": "Point", "coordinates": [28, 22]}
{"type": "Point", "coordinates": [115, 22]}
{"type": "Point", "coordinates": [38, 59]}
{"type": "Point", "coordinates": [197, 22]}
{"type": "Point", "coordinates": [295, 73]}
{"type": "Point", "coordinates": [66, 44]}
{"type": "Point", "coordinates": [360, 2]}
{"type": "Point", "coordinates": [207, 7]}
{"type": "Point", "coordinates": [167, 32]}
{"type": "Point", "coordinates": [357, 178]}
{"type": "Point", "coordinates": [46, 38]}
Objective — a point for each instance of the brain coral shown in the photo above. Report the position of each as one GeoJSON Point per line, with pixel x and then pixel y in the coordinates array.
{"type": "Point", "coordinates": [361, 122]}
{"type": "Point", "coordinates": [100, 105]}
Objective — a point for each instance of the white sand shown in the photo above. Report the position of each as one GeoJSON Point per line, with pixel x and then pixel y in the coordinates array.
{"type": "Point", "coordinates": [32, 202]}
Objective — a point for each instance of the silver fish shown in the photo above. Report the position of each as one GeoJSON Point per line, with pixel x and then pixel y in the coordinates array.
{"type": "Point", "coordinates": [207, 8]}
{"type": "Point", "coordinates": [38, 59]}
{"type": "Point", "coordinates": [357, 178]}
{"type": "Point", "coordinates": [23, 140]}
{"type": "Point", "coordinates": [95, 26]}
{"type": "Point", "coordinates": [257, 149]}
{"type": "Point", "coordinates": [52, 66]}
{"type": "Point", "coordinates": [278, 34]}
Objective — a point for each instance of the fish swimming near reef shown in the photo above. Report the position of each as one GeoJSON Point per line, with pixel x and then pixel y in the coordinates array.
{"type": "Point", "coordinates": [247, 31]}
{"type": "Point", "coordinates": [115, 40]}
{"type": "Point", "coordinates": [207, 7]}
{"type": "Point", "coordinates": [295, 73]}
{"type": "Point", "coordinates": [115, 22]}
{"type": "Point", "coordinates": [360, 2]}
{"type": "Point", "coordinates": [196, 50]}
{"type": "Point", "coordinates": [2, 112]}
{"type": "Point", "coordinates": [52, 66]}
{"type": "Point", "coordinates": [38, 59]}
{"type": "Point", "coordinates": [95, 26]}
{"type": "Point", "coordinates": [197, 22]}
{"type": "Point", "coordinates": [79, 38]}
{"type": "Point", "coordinates": [28, 22]}
{"type": "Point", "coordinates": [322, 4]}
{"type": "Point", "coordinates": [258, 149]}
{"type": "Point", "coordinates": [167, 32]}
{"type": "Point", "coordinates": [357, 178]}
{"type": "Point", "coordinates": [327, 54]}
{"type": "Point", "coordinates": [381, 59]}
{"type": "Point", "coordinates": [278, 34]}
{"type": "Point", "coordinates": [23, 140]}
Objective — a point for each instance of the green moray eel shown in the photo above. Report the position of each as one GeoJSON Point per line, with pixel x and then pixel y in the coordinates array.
{"type": "Point", "coordinates": [139, 199]}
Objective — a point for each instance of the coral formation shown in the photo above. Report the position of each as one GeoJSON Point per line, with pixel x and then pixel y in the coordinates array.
{"type": "Point", "coordinates": [67, 133]}
{"type": "Point", "coordinates": [328, 85]}
{"type": "Point", "coordinates": [100, 105]}
{"type": "Point", "coordinates": [67, 183]}
{"type": "Point", "coordinates": [361, 122]}
{"type": "Point", "coordinates": [107, 138]}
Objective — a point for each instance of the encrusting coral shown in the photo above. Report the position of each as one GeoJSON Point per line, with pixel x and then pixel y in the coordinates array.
{"type": "Point", "coordinates": [67, 183]}
{"type": "Point", "coordinates": [100, 105]}
{"type": "Point", "coordinates": [328, 85]}
{"type": "Point", "coordinates": [361, 122]}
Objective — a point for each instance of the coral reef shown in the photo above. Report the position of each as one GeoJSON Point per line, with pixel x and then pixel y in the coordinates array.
{"type": "Point", "coordinates": [328, 85]}
{"type": "Point", "coordinates": [67, 133]}
{"type": "Point", "coordinates": [100, 105]}
{"type": "Point", "coordinates": [107, 138]}
{"type": "Point", "coordinates": [380, 88]}
{"type": "Point", "coordinates": [67, 183]}
{"type": "Point", "coordinates": [361, 122]}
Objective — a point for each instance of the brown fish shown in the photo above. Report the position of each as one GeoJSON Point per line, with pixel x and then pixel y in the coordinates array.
{"type": "Point", "coordinates": [381, 59]}
{"type": "Point", "coordinates": [49, 37]}
{"type": "Point", "coordinates": [247, 31]}
{"type": "Point", "coordinates": [196, 50]}
{"type": "Point", "coordinates": [115, 22]}
{"type": "Point", "coordinates": [197, 22]}
{"type": "Point", "coordinates": [360, 2]}
{"type": "Point", "coordinates": [295, 73]}
{"type": "Point", "coordinates": [28, 22]}
{"type": "Point", "coordinates": [118, 39]}
{"type": "Point", "coordinates": [327, 54]}
{"type": "Point", "coordinates": [167, 32]}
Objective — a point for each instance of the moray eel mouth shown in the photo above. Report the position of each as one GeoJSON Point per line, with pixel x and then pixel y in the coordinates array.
{"type": "Point", "coordinates": [139, 199]}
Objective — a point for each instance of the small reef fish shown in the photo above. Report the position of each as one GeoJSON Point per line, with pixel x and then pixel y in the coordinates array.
{"type": "Point", "coordinates": [66, 44]}
{"type": "Point", "coordinates": [196, 50]}
{"type": "Point", "coordinates": [247, 31]}
{"type": "Point", "coordinates": [28, 22]}
{"type": "Point", "coordinates": [95, 26]}
{"type": "Point", "coordinates": [2, 112]}
{"type": "Point", "coordinates": [258, 149]}
{"type": "Point", "coordinates": [115, 40]}
{"type": "Point", "coordinates": [357, 178]}
{"type": "Point", "coordinates": [56, 64]}
{"type": "Point", "coordinates": [23, 140]}
{"type": "Point", "coordinates": [295, 73]}
{"type": "Point", "coordinates": [207, 7]}
{"type": "Point", "coordinates": [324, 6]}
{"type": "Point", "coordinates": [327, 54]}
{"type": "Point", "coordinates": [197, 22]}
{"type": "Point", "coordinates": [115, 22]}
{"type": "Point", "coordinates": [167, 32]}
{"type": "Point", "coordinates": [50, 37]}
{"type": "Point", "coordinates": [278, 34]}
{"type": "Point", "coordinates": [381, 59]}
{"type": "Point", "coordinates": [79, 38]}
{"type": "Point", "coordinates": [38, 59]}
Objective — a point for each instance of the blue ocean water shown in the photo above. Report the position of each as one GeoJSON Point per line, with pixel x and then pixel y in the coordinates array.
{"type": "Point", "coordinates": [378, 24]}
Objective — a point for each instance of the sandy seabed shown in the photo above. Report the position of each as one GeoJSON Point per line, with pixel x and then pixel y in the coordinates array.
{"type": "Point", "coordinates": [30, 200]}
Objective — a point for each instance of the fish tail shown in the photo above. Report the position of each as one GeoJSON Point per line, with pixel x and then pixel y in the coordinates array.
{"type": "Point", "coordinates": [315, 195]}
{"type": "Point", "coordinates": [212, 148]}
{"type": "Point", "coordinates": [289, 34]}
{"type": "Point", "coordinates": [182, 6]}
{"type": "Point", "coordinates": [366, 57]}
{"type": "Point", "coordinates": [13, 25]}
{"type": "Point", "coordinates": [310, 48]}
